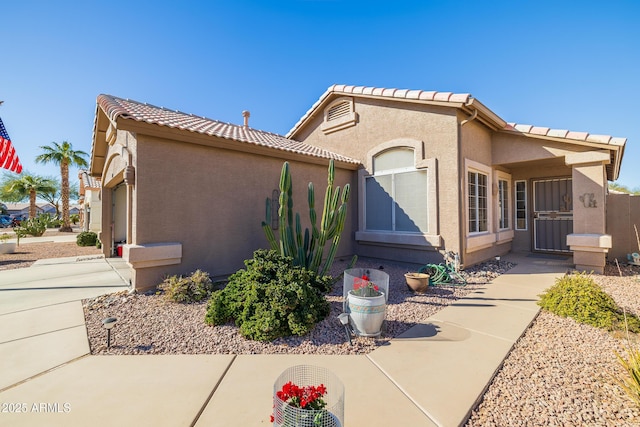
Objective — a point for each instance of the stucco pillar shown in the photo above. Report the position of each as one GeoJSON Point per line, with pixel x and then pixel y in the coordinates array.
{"type": "Point", "coordinates": [589, 241]}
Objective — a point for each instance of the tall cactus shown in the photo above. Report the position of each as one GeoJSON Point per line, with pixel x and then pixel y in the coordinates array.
{"type": "Point", "coordinates": [307, 249]}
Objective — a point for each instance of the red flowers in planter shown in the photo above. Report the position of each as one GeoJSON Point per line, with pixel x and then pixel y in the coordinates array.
{"type": "Point", "coordinates": [363, 287]}
{"type": "Point", "coordinates": [309, 397]}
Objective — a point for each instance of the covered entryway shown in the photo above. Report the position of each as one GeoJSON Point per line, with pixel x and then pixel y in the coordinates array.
{"type": "Point", "coordinates": [119, 216]}
{"type": "Point", "coordinates": [552, 214]}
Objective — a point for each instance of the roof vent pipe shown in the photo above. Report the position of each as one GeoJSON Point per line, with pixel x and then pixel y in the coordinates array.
{"type": "Point", "coordinates": [246, 116]}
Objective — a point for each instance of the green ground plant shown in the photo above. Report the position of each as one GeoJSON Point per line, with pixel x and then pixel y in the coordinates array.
{"type": "Point", "coordinates": [87, 238]}
{"type": "Point", "coordinates": [31, 227]}
{"type": "Point", "coordinates": [271, 298]}
{"type": "Point", "coordinates": [49, 220]}
{"type": "Point", "coordinates": [631, 365]}
{"type": "Point", "coordinates": [193, 288]}
{"type": "Point", "coordinates": [579, 297]}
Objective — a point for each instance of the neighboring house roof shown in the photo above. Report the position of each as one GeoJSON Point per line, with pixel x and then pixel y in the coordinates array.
{"type": "Point", "coordinates": [118, 108]}
{"type": "Point", "coordinates": [472, 106]}
{"type": "Point", "coordinates": [25, 206]}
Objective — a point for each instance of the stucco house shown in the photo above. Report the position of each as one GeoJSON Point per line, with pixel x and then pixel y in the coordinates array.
{"type": "Point", "coordinates": [90, 202]}
{"type": "Point", "coordinates": [430, 172]}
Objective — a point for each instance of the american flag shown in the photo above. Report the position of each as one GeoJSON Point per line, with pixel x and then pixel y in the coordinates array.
{"type": "Point", "coordinates": [8, 157]}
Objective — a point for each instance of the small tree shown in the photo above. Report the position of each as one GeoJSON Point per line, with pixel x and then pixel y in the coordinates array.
{"type": "Point", "coordinates": [18, 188]}
{"type": "Point", "coordinates": [63, 155]}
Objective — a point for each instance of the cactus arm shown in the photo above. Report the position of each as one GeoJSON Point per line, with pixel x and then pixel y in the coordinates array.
{"type": "Point", "coordinates": [271, 238]}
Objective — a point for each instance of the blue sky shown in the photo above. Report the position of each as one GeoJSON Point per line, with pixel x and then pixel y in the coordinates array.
{"type": "Point", "coordinates": [561, 64]}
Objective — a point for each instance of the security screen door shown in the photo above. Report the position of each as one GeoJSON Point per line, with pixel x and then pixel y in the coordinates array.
{"type": "Point", "coordinates": [552, 214]}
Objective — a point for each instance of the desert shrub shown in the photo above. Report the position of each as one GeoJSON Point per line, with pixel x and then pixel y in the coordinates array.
{"type": "Point", "coordinates": [631, 364]}
{"type": "Point", "coordinates": [31, 227]}
{"type": "Point", "coordinates": [579, 297]}
{"type": "Point", "coordinates": [87, 238]}
{"type": "Point", "coordinates": [193, 288]}
{"type": "Point", "coordinates": [271, 298]}
{"type": "Point", "coordinates": [49, 220]}
{"type": "Point", "coordinates": [74, 218]}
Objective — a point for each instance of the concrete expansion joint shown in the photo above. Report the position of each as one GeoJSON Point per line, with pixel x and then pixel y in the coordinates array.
{"type": "Point", "coordinates": [45, 333]}
{"type": "Point", "coordinates": [33, 377]}
{"type": "Point", "coordinates": [404, 392]}
{"type": "Point", "coordinates": [213, 390]}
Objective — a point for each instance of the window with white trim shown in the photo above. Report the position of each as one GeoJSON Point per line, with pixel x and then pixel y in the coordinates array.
{"type": "Point", "coordinates": [478, 194]}
{"type": "Point", "coordinates": [395, 194]}
{"type": "Point", "coordinates": [503, 204]}
{"type": "Point", "coordinates": [521, 205]}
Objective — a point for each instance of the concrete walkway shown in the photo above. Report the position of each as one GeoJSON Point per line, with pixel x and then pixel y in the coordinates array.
{"type": "Point", "coordinates": [430, 376]}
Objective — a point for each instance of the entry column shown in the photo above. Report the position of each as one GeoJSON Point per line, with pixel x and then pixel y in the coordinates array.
{"type": "Point", "coordinates": [588, 242]}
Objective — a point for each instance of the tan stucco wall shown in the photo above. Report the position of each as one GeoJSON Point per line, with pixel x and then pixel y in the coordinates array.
{"type": "Point", "coordinates": [623, 212]}
{"type": "Point", "coordinates": [380, 122]}
{"type": "Point", "coordinates": [118, 156]}
{"type": "Point", "coordinates": [212, 201]}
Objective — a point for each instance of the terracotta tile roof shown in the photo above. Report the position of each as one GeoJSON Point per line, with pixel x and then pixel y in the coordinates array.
{"type": "Point", "coordinates": [565, 134]}
{"type": "Point", "coordinates": [116, 107]}
{"type": "Point", "coordinates": [401, 94]}
{"type": "Point", "coordinates": [89, 181]}
{"type": "Point", "coordinates": [455, 99]}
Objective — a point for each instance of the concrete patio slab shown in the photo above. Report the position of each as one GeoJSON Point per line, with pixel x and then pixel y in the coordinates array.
{"type": "Point", "coordinates": [27, 357]}
{"type": "Point", "coordinates": [488, 317]}
{"type": "Point", "coordinates": [442, 367]}
{"type": "Point", "coordinates": [83, 287]}
{"type": "Point", "coordinates": [120, 391]}
{"type": "Point", "coordinates": [516, 296]}
{"type": "Point", "coordinates": [371, 399]}
{"type": "Point", "coordinates": [30, 323]}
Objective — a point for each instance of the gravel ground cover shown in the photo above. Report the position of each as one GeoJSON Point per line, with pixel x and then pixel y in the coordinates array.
{"type": "Point", "coordinates": [560, 373]}
{"type": "Point", "coordinates": [148, 324]}
{"type": "Point", "coordinates": [28, 253]}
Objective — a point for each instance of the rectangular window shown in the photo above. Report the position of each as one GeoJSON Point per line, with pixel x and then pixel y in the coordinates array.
{"type": "Point", "coordinates": [503, 203]}
{"type": "Point", "coordinates": [478, 202]}
{"type": "Point", "coordinates": [521, 205]}
{"type": "Point", "coordinates": [395, 202]}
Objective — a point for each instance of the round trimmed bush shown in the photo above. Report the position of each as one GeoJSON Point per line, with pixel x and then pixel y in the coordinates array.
{"type": "Point", "coordinates": [271, 298]}
{"type": "Point", "coordinates": [87, 238]}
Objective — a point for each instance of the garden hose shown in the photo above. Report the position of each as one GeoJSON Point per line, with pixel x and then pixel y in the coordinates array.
{"type": "Point", "coordinates": [440, 274]}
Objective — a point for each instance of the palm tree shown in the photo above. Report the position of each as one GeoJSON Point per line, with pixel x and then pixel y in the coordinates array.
{"type": "Point", "coordinates": [65, 156]}
{"type": "Point", "coordinates": [16, 188]}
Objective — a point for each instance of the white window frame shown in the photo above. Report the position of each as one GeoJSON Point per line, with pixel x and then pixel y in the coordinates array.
{"type": "Point", "coordinates": [515, 206]}
{"type": "Point", "coordinates": [401, 238]}
{"type": "Point", "coordinates": [504, 177]}
{"type": "Point", "coordinates": [478, 239]}
{"type": "Point", "coordinates": [477, 172]}
{"type": "Point", "coordinates": [394, 173]}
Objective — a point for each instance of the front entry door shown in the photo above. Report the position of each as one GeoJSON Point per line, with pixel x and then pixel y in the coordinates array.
{"type": "Point", "coordinates": [552, 214]}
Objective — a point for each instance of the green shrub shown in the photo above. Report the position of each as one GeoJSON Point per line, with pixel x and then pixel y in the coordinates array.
{"type": "Point", "coordinates": [631, 365]}
{"type": "Point", "coordinates": [74, 218]}
{"type": "Point", "coordinates": [87, 238]}
{"type": "Point", "coordinates": [31, 227]}
{"type": "Point", "coordinates": [98, 244]}
{"type": "Point", "coordinates": [579, 297]}
{"type": "Point", "coordinates": [187, 289]}
{"type": "Point", "coordinates": [271, 298]}
{"type": "Point", "coordinates": [49, 220]}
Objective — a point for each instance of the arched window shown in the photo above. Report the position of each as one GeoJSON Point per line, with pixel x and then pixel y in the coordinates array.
{"type": "Point", "coordinates": [395, 195]}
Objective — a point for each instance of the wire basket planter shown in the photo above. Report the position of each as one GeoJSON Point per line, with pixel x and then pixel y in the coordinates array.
{"type": "Point", "coordinates": [311, 387]}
